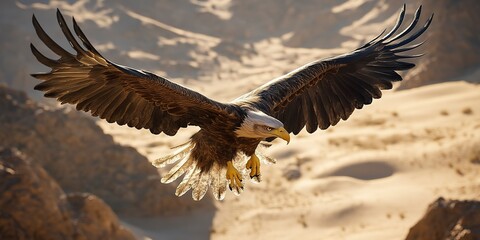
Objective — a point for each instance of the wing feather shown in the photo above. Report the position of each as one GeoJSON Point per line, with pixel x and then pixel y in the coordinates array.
{"type": "Point", "coordinates": [121, 94]}
{"type": "Point", "coordinates": [49, 41]}
{"type": "Point", "coordinates": [309, 114]}
{"type": "Point", "coordinates": [319, 110]}
{"type": "Point", "coordinates": [354, 94]}
{"type": "Point", "coordinates": [345, 104]}
{"type": "Point", "coordinates": [410, 27]}
{"type": "Point", "coordinates": [398, 23]}
{"type": "Point", "coordinates": [331, 89]}
{"type": "Point", "coordinates": [300, 120]}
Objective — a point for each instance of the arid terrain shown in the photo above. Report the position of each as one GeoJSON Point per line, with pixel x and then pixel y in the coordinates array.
{"type": "Point", "coordinates": [371, 177]}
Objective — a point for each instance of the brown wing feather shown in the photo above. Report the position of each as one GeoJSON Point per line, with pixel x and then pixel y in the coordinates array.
{"type": "Point", "coordinates": [121, 94]}
{"type": "Point", "coordinates": [321, 93]}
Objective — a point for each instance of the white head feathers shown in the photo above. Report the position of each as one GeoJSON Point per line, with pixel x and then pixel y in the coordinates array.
{"type": "Point", "coordinates": [253, 121]}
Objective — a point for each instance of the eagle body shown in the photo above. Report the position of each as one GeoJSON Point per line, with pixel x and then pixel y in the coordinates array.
{"type": "Point", "coordinates": [210, 148]}
{"type": "Point", "coordinates": [227, 147]}
{"type": "Point", "coordinates": [220, 148]}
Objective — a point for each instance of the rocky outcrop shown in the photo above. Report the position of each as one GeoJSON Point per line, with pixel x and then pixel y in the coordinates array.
{"type": "Point", "coordinates": [33, 206]}
{"type": "Point", "coordinates": [81, 158]}
{"type": "Point", "coordinates": [452, 46]}
{"type": "Point", "coordinates": [448, 219]}
{"type": "Point", "coordinates": [94, 219]}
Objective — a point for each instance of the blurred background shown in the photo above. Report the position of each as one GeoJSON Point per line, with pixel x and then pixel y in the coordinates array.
{"type": "Point", "coordinates": [379, 175]}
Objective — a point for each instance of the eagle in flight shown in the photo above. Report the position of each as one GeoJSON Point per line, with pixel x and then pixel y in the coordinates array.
{"type": "Point", "coordinates": [224, 150]}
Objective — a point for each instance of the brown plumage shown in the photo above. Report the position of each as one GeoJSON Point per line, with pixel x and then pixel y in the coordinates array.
{"type": "Point", "coordinates": [314, 96]}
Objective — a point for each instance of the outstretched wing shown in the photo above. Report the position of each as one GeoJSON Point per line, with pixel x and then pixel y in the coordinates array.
{"type": "Point", "coordinates": [321, 93]}
{"type": "Point", "coordinates": [120, 94]}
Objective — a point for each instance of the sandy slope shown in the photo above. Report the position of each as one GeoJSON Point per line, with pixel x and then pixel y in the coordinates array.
{"type": "Point", "coordinates": [368, 178]}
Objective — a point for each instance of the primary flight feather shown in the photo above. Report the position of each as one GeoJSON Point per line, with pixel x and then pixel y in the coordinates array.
{"type": "Point", "coordinates": [314, 96]}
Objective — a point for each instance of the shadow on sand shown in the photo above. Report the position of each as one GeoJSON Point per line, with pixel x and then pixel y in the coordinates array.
{"type": "Point", "coordinates": [196, 225]}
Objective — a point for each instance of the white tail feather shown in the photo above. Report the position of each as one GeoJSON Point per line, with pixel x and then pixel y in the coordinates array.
{"type": "Point", "coordinates": [219, 182]}
{"type": "Point", "coordinates": [188, 180]}
{"type": "Point", "coordinates": [178, 154]}
{"type": "Point", "coordinates": [202, 186]}
{"type": "Point", "coordinates": [199, 181]}
{"type": "Point", "coordinates": [178, 170]}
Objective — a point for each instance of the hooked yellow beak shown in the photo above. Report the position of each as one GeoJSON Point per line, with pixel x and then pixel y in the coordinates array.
{"type": "Point", "coordinates": [281, 133]}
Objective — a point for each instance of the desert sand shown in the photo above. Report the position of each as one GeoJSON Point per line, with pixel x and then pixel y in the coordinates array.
{"type": "Point", "coordinates": [370, 177]}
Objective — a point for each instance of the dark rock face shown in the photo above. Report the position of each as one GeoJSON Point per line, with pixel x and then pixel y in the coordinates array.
{"type": "Point", "coordinates": [33, 206]}
{"type": "Point", "coordinates": [448, 219]}
{"type": "Point", "coordinates": [81, 158]}
{"type": "Point", "coordinates": [94, 219]}
{"type": "Point", "coordinates": [452, 46]}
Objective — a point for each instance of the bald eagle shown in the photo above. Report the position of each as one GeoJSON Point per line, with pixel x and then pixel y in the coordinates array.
{"type": "Point", "coordinates": [225, 149]}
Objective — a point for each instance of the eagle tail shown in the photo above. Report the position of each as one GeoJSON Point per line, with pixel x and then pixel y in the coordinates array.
{"type": "Point", "coordinates": [196, 179]}
{"type": "Point", "coordinates": [200, 181]}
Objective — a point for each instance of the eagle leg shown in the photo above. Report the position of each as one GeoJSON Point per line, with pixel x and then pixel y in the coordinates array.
{"type": "Point", "coordinates": [234, 177]}
{"type": "Point", "coordinates": [254, 165]}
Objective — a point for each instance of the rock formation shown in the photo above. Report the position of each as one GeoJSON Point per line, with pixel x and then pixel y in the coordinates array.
{"type": "Point", "coordinates": [450, 220]}
{"type": "Point", "coordinates": [33, 206]}
{"type": "Point", "coordinates": [452, 46]}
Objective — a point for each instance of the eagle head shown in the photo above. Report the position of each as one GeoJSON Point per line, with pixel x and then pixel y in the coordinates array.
{"type": "Point", "coordinates": [257, 124]}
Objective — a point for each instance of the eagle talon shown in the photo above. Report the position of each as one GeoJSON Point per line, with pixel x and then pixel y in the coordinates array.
{"type": "Point", "coordinates": [234, 177]}
{"type": "Point", "coordinates": [254, 165]}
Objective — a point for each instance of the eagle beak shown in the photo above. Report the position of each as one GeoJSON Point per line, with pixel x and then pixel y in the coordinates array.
{"type": "Point", "coordinates": [281, 133]}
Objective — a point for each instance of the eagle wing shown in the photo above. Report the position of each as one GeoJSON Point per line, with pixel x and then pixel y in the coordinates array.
{"type": "Point", "coordinates": [321, 93]}
{"type": "Point", "coordinates": [121, 94]}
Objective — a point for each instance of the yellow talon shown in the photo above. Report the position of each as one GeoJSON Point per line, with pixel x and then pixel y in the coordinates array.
{"type": "Point", "coordinates": [254, 165]}
{"type": "Point", "coordinates": [234, 176]}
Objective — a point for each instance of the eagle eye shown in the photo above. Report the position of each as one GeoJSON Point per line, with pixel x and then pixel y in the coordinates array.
{"type": "Point", "coordinates": [268, 128]}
